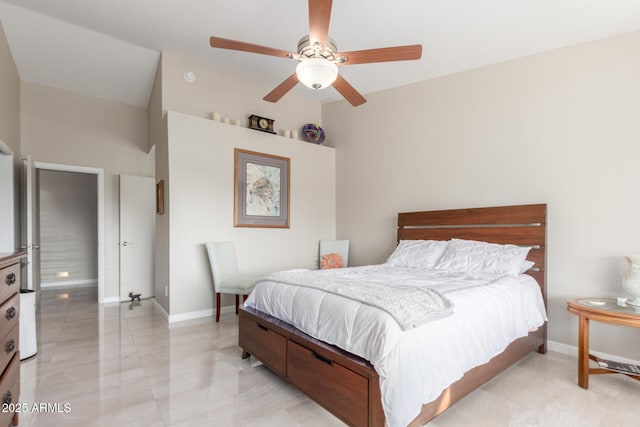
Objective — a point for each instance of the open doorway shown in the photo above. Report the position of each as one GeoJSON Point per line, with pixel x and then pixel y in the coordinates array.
{"type": "Point", "coordinates": [56, 208]}
{"type": "Point", "coordinates": [68, 226]}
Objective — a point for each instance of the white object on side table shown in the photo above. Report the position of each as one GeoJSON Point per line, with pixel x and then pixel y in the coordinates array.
{"type": "Point", "coordinates": [631, 280]}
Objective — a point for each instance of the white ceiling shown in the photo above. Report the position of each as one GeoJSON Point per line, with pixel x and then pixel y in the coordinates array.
{"type": "Point", "coordinates": [111, 48]}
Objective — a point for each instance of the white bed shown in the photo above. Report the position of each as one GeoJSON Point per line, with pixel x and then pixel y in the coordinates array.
{"type": "Point", "coordinates": [360, 364]}
{"type": "Point", "coordinates": [490, 311]}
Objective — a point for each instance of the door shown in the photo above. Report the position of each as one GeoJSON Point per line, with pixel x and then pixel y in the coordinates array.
{"type": "Point", "coordinates": [30, 231]}
{"type": "Point", "coordinates": [137, 235]}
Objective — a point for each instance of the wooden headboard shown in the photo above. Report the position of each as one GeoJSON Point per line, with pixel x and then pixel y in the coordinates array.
{"type": "Point", "coordinates": [524, 225]}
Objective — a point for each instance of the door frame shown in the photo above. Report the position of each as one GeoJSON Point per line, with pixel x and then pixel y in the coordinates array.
{"type": "Point", "coordinates": [99, 172]}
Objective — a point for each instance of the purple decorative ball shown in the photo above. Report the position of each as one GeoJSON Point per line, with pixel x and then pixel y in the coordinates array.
{"type": "Point", "coordinates": [311, 132]}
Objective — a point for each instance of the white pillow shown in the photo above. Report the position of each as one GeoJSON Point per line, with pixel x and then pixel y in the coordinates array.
{"type": "Point", "coordinates": [526, 266]}
{"type": "Point", "coordinates": [417, 253]}
{"type": "Point", "coordinates": [470, 256]}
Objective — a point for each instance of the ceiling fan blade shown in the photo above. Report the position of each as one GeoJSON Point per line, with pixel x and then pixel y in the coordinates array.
{"type": "Point", "coordinates": [385, 54]}
{"type": "Point", "coordinates": [349, 93]}
{"type": "Point", "coordinates": [282, 89]}
{"type": "Point", "coordinates": [247, 47]}
{"type": "Point", "coordinates": [319, 17]}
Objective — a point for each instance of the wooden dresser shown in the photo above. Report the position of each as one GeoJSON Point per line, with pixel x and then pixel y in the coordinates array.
{"type": "Point", "coordinates": [10, 280]}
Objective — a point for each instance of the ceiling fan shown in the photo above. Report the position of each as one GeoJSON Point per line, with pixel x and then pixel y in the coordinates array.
{"type": "Point", "coordinates": [318, 57]}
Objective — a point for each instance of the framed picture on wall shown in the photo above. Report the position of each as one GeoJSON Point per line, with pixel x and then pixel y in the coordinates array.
{"type": "Point", "coordinates": [160, 197]}
{"type": "Point", "coordinates": [261, 196]}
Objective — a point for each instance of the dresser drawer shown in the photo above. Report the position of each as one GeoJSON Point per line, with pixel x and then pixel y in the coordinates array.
{"type": "Point", "coordinates": [9, 280]}
{"type": "Point", "coordinates": [265, 344]}
{"type": "Point", "coordinates": [10, 389]}
{"type": "Point", "coordinates": [9, 346]}
{"type": "Point", "coordinates": [342, 391]}
{"type": "Point", "coordinates": [9, 314]}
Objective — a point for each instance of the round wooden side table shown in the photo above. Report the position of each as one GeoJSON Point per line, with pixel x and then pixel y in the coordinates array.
{"type": "Point", "coordinates": [605, 310]}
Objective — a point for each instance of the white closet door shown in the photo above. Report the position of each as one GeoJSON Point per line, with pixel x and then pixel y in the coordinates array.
{"type": "Point", "coordinates": [137, 235]}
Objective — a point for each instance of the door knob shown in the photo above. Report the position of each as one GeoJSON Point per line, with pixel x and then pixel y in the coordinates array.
{"type": "Point", "coordinates": [127, 243]}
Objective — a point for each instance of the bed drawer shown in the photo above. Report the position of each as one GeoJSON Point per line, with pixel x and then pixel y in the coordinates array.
{"type": "Point", "coordinates": [9, 280]}
{"type": "Point", "coordinates": [268, 346]}
{"type": "Point", "coordinates": [340, 390]}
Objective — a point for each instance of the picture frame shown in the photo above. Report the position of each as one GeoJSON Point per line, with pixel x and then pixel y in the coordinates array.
{"type": "Point", "coordinates": [160, 197]}
{"type": "Point", "coordinates": [261, 190]}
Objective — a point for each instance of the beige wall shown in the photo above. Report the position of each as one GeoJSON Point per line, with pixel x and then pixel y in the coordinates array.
{"type": "Point", "coordinates": [10, 98]}
{"type": "Point", "coordinates": [10, 135]}
{"type": "Point", "coordinates": [201, 189]}
{"type": "Point", "coordinates": [560, 127]}
{"type": "Point", "coordinates": [66, 128]}
{"type": "Point", "coordinates": [236, 97]}
{"type": "Point", "coordinates": [230, 93]}
{"type": "Point", "coordinates": [158, 139]}
{"type": "Point", "coordinates": [154, 110]}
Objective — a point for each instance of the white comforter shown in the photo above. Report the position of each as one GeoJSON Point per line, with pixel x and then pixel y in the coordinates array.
{"type": "Point", "coordinates": [415, 365]}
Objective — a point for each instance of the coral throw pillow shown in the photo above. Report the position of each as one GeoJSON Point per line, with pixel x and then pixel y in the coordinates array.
{"type": "Point", "coordinates": [331, 261]}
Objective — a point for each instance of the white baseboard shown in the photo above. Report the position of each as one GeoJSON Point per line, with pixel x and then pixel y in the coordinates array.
{"type": "Point", "coordinates": [172, 318]}
{"type": "Point", "coordinates": [572, 350]}
{"type": "Point", "coordinates": [107, 300]}
{"type": "Point", "coordinates": [191, 315]}
{"type": "Point", "coordinates": [160, 310]}
{"type": "Point", "coordinates": [67, 283]}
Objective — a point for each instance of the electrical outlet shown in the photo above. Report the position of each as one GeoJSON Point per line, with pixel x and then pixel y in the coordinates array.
{"type": "Point", "coordinates": [166, 291]}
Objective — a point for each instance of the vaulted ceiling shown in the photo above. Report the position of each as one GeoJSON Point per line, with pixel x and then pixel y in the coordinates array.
{"type": "Point", "coordinates": [111, 48]}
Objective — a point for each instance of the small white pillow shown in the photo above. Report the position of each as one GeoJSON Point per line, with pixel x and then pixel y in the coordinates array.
{"type": "Point", "coordinates": [417, 253]}
{"type": "Point", "coordinates": [526, 266]}
{"type": "Point", "coordinates": [470, 256]}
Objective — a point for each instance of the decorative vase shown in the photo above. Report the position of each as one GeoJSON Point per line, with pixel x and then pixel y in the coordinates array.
{"type": "Point", "coordinates": [631, 280]}
{"type": "Point", "coordinates": [312, 132]}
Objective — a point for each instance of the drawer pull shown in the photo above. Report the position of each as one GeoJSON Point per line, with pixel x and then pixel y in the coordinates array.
{"type": "Point", "coordinates": [11, 313]}
{"type": "Point", "coordinates": [10, 346]}
{"type": "Point", "coordinates": [6, 399]}
{"type": "Point", "coordinates": [322, 358]}
{"type": "Point", "coordinates": [11, 279]}
{"type": "Point", "coordinates": [264, 328]}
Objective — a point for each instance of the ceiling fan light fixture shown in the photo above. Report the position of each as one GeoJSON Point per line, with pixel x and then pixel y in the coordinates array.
{"type": "Point", "coordinates": [316, 73]}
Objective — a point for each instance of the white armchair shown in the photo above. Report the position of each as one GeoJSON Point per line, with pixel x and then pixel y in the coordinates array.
{"type": "Point", "coordinates": [226, 280]}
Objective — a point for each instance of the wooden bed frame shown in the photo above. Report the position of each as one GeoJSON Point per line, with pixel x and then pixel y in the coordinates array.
{"type": "Point", "coordinates": [347, 385]}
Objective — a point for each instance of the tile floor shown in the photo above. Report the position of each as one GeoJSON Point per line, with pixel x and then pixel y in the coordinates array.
{"type": "Point", "coordinates": [122, 365]}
